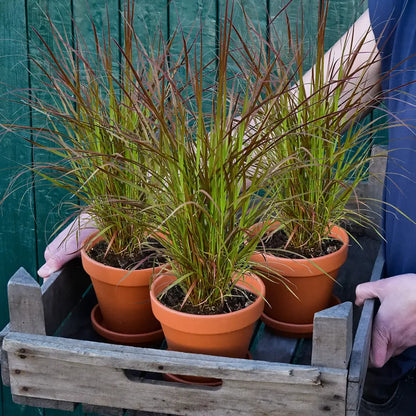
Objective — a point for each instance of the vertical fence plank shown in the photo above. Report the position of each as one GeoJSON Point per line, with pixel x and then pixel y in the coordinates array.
{"type": "Point", "coordinates": [341, 15]}
{"type": "Point", "coordinates": [17, 239]}
{"type": "Point", "coordinates": [192, 19]}
{"type": "Point", "coordinates": [300, 14]}
{"type": "Point", "coordinates": [151, 17]}
{"type": "Point", "coordinates": [250, 18]}
{"type": "Point", "coordinates": [17, 222]}
{"type": "Point", "coordinates": [49, 210]}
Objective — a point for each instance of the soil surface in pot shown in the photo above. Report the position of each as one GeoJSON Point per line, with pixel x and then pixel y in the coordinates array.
{"type": "Point", "coordinates": [278, 240]}
{"type": "Point", "coordinates": [239, 299]}
{"type": "Point", "coordinates": [145, 259]}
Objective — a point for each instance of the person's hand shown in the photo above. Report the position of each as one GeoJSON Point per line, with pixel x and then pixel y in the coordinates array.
{"type": "Point", "coordinates": [66, 245]}
{"type": "Point", "coordinates": [394, 326]}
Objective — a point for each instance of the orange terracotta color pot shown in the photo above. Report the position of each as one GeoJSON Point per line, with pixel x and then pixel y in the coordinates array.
{"type": "Point", "coordinates": [312, 280]}
{"type": "Point", "coordinates": [224, 335]}
{"type": "Point", "coordinates": [123, 295]}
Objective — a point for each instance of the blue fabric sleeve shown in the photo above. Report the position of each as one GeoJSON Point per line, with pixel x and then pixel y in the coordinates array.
{"type": "Point", "coordinates": [394, 25]}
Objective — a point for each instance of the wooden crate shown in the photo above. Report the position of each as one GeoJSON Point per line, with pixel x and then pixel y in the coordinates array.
{"type": "Point", "coordinates": [50, 360]}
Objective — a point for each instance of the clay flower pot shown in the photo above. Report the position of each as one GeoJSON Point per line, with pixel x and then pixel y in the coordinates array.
{"type": "Point", "coordinates": [311, 280]}
{"type": "Point", "coordinates": [224, 335]}
{"type": "Point", "coordinates": [124, 315]}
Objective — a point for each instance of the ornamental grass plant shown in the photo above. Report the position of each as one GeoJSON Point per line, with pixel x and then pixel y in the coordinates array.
{"type": "Point", "coordinates": [88, 104]}
{"type": "Point", "coordinates": [327, 149]}
{"type": "Point", "coordinates": [209, 178]}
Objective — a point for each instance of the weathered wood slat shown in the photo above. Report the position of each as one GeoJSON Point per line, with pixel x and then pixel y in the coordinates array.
{"type": "Point", "coordinates": [141, 413]}
{"type": "Point", "coordinates": [270, 347]}
{"type": "Point", "coordinates": [27, 314]}
{"type": "Point", "coordinates": [41, 310]}
{"type": "Point", "coordinates": [4, 364]}
{"type": "Point", "coordinates": [361, 348]}
{"type": "Point", "coordinates": [147, 359]}
{"type": "Point", "coordinates": [61, 292]}
{"type": "Point", "coordinates": [25, 304]}
{"type": "Point", "coordinates": [332, 336]}
{"type": "Point", "coordinates": [44, 403]}
{"type": "Point", "coordinates": [371, 191]}
{"type": "Point", "coordinates": [249, 387]}
{"type": "Point", "coordinates": [79, 325]}
{"type": "Point", "coordinates": [101, 410]}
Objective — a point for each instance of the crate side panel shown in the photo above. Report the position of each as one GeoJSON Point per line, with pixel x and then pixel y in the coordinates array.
{"type": "Point", "coordinates": [86, 376]}
{"type": "Point", "coordinates": [361, 348]}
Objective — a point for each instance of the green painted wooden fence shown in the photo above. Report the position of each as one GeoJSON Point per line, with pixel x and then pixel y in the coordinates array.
{"type": "Point", "coordinates": [30, 214]}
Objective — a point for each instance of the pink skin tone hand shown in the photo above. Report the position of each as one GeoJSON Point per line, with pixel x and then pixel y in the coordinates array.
{"type": "Point", "coordinates": [66, 245]}
{"type": "Point", "coordinates": [394, 327]}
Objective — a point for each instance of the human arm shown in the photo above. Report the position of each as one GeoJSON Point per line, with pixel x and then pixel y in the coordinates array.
{"type": "Point", "coordinates": [357, 52]}
{"type": "Point", "coordinates": [66, 245]}
{"type": "Point", "coordinates": [394, 326]}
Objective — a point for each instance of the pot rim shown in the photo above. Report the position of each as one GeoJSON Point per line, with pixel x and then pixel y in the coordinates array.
{"type": "Point", "coordinates": [337, 232]}
{"type": "Point", "coordinates": [203, 323]}
{"type": "Point", "coordinates": [84, 255]}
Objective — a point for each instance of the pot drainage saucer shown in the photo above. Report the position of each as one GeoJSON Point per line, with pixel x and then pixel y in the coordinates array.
{"type": "Point", "coordinates": [145, 339]}
{"type": "Point", "coordinates": [291, 330]}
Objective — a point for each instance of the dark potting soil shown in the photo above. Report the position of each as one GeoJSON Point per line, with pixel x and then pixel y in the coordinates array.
{"type": "Point", "coordinates": [277, 242]}
{"type": "Point", "coordinates": [239, 299]}
{"type": "Point", "coordinates": [144, 259]}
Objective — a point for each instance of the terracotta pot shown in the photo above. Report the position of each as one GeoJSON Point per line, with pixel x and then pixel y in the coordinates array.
{"type": "Point", "coordinates": [312, 280]}
{"type": "Point", "coordinates": [224, 335]}
{"type": "Point", "coordinates": [123, 296]}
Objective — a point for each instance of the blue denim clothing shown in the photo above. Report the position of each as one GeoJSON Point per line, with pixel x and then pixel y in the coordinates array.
{"type": "Point", "coordinates": [394, 25]}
